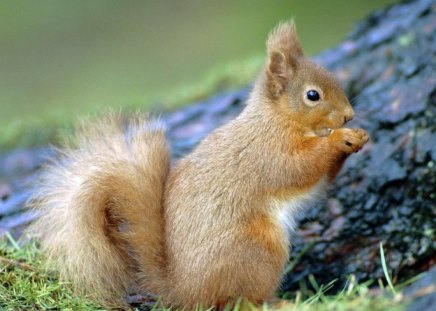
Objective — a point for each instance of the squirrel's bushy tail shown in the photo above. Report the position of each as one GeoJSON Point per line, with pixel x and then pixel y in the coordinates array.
{"type": "Point", "coordinates": [101, 211]}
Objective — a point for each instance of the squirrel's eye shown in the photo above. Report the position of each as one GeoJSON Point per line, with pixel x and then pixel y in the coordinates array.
{"type": "Point", "coordinates": [312, 95]}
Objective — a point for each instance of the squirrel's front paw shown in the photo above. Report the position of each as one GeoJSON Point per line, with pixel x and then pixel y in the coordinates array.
{"type": "Point", "coordinates": [349, 140]}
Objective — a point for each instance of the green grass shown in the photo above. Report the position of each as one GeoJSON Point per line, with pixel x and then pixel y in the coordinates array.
{"type": "Point", "coordinates": [36, 131]}
{"type": "Point", "coordinates": [26, 285]}
{"type": "Point", "coordinates": [31, 132]}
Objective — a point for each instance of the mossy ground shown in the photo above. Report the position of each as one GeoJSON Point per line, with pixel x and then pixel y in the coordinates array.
{"type": "Point", "coordinates": [27, 284]}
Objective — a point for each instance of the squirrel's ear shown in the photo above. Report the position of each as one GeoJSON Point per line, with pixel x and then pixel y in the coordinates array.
{"type": "Point", "coordinates": [284, 39]}
{"type": "Point", "coordinates": [284, 51]}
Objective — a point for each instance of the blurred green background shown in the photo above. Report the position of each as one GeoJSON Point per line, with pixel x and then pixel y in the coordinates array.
{"type": "Point", "coordinates": [72, 56]}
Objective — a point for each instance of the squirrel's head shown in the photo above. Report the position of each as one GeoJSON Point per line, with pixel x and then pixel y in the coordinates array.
{"type": "Point", "coordinates": [300, 89]}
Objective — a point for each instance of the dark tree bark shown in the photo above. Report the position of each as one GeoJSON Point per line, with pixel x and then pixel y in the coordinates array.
{"type": "Point", "coordinates": [386, 193]}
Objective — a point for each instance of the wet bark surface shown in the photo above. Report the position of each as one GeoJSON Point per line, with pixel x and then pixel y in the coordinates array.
{"type": "Point", "coordinates": [386, 193]}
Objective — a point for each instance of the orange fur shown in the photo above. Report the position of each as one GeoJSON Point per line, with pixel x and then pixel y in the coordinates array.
{"type": "Point", "coordinates": [214, 227]}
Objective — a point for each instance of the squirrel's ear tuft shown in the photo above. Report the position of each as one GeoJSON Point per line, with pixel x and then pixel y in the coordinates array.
{"type": "Point", "coordinates": [284, 50]}
{"type": "Point", "coordinates": [284, 38]}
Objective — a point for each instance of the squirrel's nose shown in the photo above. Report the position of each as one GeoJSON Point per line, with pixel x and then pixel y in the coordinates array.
{"type": "Point", "coordinates": [348, 116]}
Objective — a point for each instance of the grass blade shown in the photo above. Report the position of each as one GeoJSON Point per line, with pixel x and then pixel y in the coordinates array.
{"type": "Point", "coordinates": [385, 269]}
{"type": "Point", "coordinates": [12, 241]}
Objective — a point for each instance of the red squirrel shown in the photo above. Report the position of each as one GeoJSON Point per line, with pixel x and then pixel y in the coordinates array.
{"type": "Point", "coordinates": [116, 216]}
